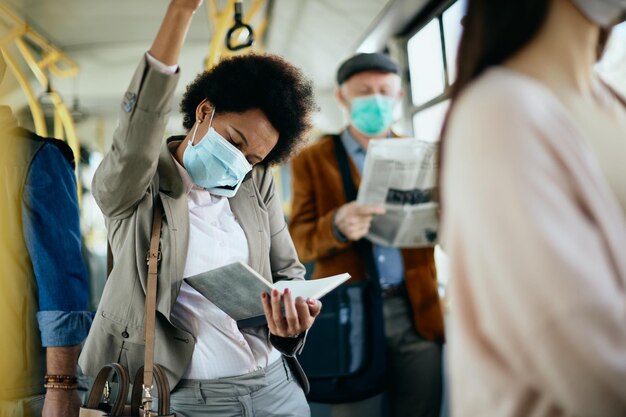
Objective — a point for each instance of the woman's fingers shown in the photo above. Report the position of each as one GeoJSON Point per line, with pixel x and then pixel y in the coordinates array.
{"type": "Point", "coordinates": [315, 306]}
{"type": "Point", "coordinates": [291, 315]}
{"type": "Point", "coordinates": [296, 317]}
{"type": "Point", "coordinates": [303, 314]}
{"type": "Point", "coordinates": [277, 314]}
{"type": "Point", "coordinates": [267, 309]}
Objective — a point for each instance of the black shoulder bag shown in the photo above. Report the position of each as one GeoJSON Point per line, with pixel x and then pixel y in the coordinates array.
{"type": "Point", "coordinates": [345, 353]}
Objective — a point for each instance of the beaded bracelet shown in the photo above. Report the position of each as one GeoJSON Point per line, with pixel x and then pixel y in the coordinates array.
{"type": "Point", "coordinates": [60, 379]}
{"type": "Point", "coordinates": [51, 385]}
{"type": "Point", "coordinates": [67, 382]}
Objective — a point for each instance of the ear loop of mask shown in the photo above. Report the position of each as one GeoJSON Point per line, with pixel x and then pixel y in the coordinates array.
{"type": "Point", "coordinates": [195, 129]}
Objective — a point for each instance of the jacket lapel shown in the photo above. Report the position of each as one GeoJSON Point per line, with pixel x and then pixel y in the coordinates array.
{"type": "Point", "coordinates": [244, 206]}
{"type": "Point", "coordinates": [172, 194]}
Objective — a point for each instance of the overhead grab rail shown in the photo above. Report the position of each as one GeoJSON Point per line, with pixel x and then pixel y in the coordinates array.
{"type": "Point", "coordinates": [236, 30]}
{"type": "Point", "coordinates": [59, 64]}
{"type": "Point", "coordinates": [41, 57]}
{"type": "Point", "coordinates": [221, 19]}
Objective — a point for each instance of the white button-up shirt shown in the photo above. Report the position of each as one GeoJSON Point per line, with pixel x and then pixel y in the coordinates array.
{"type": "Point", "coordinates": [215, 239]}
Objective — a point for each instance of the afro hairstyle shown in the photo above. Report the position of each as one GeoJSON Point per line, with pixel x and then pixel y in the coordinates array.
{"type": "Point", "coordinates": [257, 81]}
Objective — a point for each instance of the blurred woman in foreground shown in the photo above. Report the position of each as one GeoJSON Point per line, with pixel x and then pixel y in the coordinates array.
{"type": "Point", "coordinates": [534, 203]}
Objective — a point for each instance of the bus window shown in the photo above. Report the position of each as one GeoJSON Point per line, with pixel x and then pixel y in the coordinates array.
{"type": "Point", "coordinates": [452, 30]}
{"type": "Point", "coordinates": [426, 64]}
{"type": "Point", "coordinates": [427, 123]}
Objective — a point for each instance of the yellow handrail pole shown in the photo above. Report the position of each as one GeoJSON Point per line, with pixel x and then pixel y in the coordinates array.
{"type": "Point", "coordinates": [44, 45]}
{"type": "Point", "coordinates": [49, 58]}
{"type": "Point", "coordinates": [68, 124]}
{"type": "Point", "coordinates": [52, 56]}
{"type": "Point", "coordinates": [260, 31]}
{"type": "Point", "coordinates": [70, 133]}
{"type": "Point", "coordinates": [58, 125]}
{"type": "Point", "coordinates": [52, 59]}
{"type": "Point", "coordinates": [10, 14]}
{"type": "Point", "coordinates": [32, 63]}
{"type": "Point", "coordinates": [256, 6]}
{"type": "Point", "coordinates": [40, 41]}
{"type": "Point", "coordinates": [33, 104]}
{"type": "Point", "coordinates": [59, 106]}
{"type": "Point", "coordinates": [63, 72]}
{"type": "Point", "coordinates": [212, 9]}
{"type": "Point", "coordinates": [14, 33]}
{"type": "Point", "coordinates": [219, 34]}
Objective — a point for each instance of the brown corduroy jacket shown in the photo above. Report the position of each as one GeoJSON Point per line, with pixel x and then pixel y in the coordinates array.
{"type": "Point", "coordinates": [317, 194]}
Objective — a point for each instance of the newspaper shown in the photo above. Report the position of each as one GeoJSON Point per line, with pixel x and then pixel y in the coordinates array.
{"type": "Point", "coordinates": [401, 175]}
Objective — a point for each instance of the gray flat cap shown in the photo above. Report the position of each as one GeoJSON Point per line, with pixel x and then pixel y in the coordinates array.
{"type": "Point", "coordinates": [366, 62]}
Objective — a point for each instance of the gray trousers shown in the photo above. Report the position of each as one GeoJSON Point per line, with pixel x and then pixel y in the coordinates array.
{"type": "Point", "coordinates": [272, 391]}
{"type": "Point", "coordinates": [415, 385]}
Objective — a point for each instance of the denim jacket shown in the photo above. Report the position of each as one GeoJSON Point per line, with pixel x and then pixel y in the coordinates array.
{"type": "Point", "coordinates": [52, 234]}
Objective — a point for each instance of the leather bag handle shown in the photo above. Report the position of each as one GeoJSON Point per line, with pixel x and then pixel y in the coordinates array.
{"type": "Point", "coordinates": [93, 401]}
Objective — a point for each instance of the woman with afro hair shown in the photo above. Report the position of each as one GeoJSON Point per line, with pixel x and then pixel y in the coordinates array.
{"type": "Point", "coordinates": [220, 206]}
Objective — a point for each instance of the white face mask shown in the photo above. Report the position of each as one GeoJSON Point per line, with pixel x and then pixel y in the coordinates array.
{"type": "Point", "coordinates": [605, 13]}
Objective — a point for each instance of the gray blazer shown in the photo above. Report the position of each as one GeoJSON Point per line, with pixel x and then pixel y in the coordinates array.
{"type": "Point", "coordinates": [136, 172]}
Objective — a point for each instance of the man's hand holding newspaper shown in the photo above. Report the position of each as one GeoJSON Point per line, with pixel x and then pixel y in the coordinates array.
{"type": "Point", "coordinates": [399, 176]}
{"type": "Point", "coordinates": [353, 220]}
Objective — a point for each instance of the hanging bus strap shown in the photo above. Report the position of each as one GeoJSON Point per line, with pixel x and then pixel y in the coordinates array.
{"type": "Point", "coordinates": [239, 25]}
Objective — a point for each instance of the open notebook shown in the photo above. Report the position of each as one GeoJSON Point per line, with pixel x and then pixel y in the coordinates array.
{"type": "Point", "coordinates": [236, 289]}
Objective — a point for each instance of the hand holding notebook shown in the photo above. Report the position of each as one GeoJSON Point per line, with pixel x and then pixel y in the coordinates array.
{"type": "Point", "coordinates": [236, 289]}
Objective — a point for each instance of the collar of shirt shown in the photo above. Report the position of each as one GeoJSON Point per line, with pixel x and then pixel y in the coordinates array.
{"type": "Point", "coordinates": [350, 143]}
{"type": "Point", "coordinates": [354, 150]}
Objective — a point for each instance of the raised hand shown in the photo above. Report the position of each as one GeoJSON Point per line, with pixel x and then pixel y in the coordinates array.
{"type": "Point", "coordinates": [173, 31]}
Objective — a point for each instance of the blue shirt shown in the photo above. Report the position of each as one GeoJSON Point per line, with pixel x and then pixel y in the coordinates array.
{"type": "Point", "coordinates": [52, 233]}
{"type": "Point", "coordinates": [388, 260]}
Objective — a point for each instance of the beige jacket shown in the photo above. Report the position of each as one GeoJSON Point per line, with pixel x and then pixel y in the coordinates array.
{"type": "Point", "coordinates": [537, 241]}
{"type": "Point", "coordinates": [138, 170]}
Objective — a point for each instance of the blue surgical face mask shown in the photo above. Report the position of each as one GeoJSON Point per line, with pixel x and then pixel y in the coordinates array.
{"type": "Point", "coordinates": [215, 164]}
{"type": "Point", "coordinates": [372, 115]}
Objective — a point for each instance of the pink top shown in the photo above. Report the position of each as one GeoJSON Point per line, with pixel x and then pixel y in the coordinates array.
{"type": "Point", "coordinates": [537, 246]}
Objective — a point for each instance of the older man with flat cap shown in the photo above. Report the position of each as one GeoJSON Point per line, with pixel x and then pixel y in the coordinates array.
{"type": "Point", "coordinates": [325, 227]}
{"type": "Point", "coordinates": [43, 280]}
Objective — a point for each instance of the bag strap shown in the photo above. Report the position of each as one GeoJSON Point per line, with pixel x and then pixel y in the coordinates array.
{"type": "Point", "coordinates": [163, 392]}
{"type": "Point", "coordinates": [154, 256]}
{"type": "Point", "coordinates": [363, 246]}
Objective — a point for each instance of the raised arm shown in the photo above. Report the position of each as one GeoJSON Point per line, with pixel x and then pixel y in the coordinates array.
{"type": "Point", "coordinates": [173, 31]}
{"type": "Point", "coordinates": [127, 170]}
